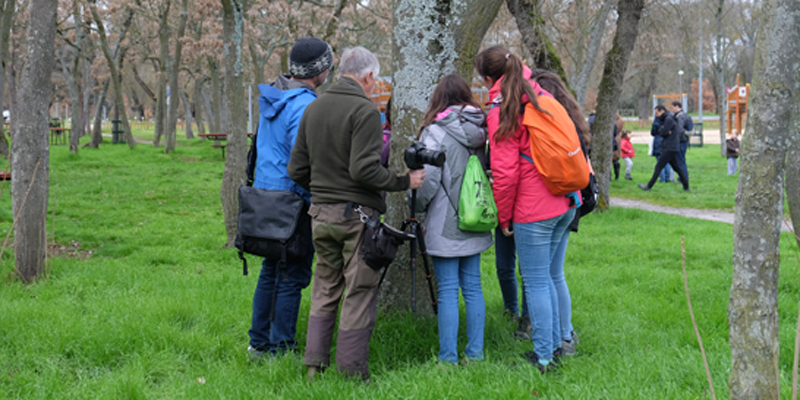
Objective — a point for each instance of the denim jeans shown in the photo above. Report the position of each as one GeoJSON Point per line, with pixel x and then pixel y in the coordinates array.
{"type": "Point", "coordinates": [278, 335]}
{"type": "Point", "coordinates": [733, 165]}
{"type": "Point", "coordinates": [682, 158]}
{"type": "Point", "coordinates": [537, 245]}
{"type": "Point", "coordinates": [505, 253]}
{"type": "Point", "coordinates": [452, 273]}
{"type": "Point", "coordinates": [562, 291]}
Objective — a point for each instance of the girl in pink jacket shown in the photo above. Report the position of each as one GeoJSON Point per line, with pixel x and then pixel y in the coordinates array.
{"type": "Point", "coordinates": [627, 153]}
{"type": "Point", "coordinates": [540, 219]}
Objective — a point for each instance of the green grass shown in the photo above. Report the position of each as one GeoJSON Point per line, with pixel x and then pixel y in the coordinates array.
{"type": "Point", "coordinates": [159, 304]}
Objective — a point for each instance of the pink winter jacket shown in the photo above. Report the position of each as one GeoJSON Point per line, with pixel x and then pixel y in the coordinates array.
{"type": "Point", "coordinates": [519, 191]}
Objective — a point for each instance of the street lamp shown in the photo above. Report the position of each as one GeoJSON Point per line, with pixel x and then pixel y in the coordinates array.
{"type": "Point", "coordinates": [680, 82]}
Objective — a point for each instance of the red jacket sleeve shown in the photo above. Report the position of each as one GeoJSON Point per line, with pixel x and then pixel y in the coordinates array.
{"type": "Point", "coordinates": [505, 169]}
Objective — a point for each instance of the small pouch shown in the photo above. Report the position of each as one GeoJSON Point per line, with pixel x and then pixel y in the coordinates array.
{"type": "Point", "coordinates": [380, 241]}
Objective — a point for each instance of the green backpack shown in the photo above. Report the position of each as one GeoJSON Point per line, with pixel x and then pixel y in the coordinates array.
{"type": "Point", "coordinates": [477, 211]}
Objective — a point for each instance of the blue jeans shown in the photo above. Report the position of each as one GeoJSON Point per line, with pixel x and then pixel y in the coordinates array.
{"type": "Point", "coordinates": [278, 335]}
{"type": "Point", "coordinates": [452, 273]}
{"type": "Point", "coordinates": [505, 253]}
{"type": "Point", "coordinates": [562, 291]}
{"type": "Point", "coordinates": [733, 164]}
{"type": "Point", "coordinates": [537, 244]}
{"type": "Point", "coordinates": [682, 158]}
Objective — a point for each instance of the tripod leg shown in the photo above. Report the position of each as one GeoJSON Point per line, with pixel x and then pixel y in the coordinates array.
{"type": "Point", "coordinates": [412, 245]}
{"type": "Point", "coordinates": [424, 253]}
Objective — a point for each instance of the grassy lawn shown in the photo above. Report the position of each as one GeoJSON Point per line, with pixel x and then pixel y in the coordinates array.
{"type": "Point", "coordinates": [142, 301]}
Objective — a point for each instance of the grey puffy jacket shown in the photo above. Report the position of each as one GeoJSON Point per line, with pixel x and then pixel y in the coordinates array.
{"type": "Point", "coordinates": [461, 133]}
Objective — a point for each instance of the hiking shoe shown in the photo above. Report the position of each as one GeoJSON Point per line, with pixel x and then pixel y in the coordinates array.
{"type": "Point", "coordinates": [628, 177]}
{"type": "Point", "coordinates": [687, 190]}
{"type": "Point", "coordinates": [255, 355]}
{"type": "Point", "coordinates": [524, 329]}
{"type": "Point", "coordinates": [568, 346]}
{"type": "Point", "coordinates": [533, 359]}
{"type": "Point", "coordinates": [312, 372]}
{"type": "Point", "coordinates": [644, 187]}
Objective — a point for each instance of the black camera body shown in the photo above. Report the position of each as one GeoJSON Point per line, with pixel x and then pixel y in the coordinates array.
{"type": "Point", "coordinates": [417, 156]}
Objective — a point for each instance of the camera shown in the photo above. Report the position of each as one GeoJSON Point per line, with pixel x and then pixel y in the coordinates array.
{"type": "Point", "coordinates": [417, 156]}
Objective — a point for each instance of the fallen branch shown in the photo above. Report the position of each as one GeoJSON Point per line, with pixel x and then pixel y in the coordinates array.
{"type": "Point", "coordinates": [694, 322]}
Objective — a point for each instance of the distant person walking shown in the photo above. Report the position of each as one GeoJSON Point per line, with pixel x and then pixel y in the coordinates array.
{"type": "Point", "coordinates": [666, 173]}
{"type": "Point", "coordinates": [732, 145]}
{"type": "Point", "coordinates": [627, 153]}
{"type": "Point", "coordinates": [670, 148]}
{"type": "Point", "coordinates": [683, 125]}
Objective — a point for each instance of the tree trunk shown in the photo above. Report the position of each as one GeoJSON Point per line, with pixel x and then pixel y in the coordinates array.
{"type": "Point", "coordinates": [71, 76]}
{"type": "Point", "coordinates": [175, 92]}
{"type": "Point", "coordinates": [87, 82]}
{"type": "Point", "coordinates": [236, 160]}
{"type": "Point", "coordinates": [630, 12]}
{"type": "Point", "coordinates": [214, 115]}
{"type": "Point", "coordinates": [197, 101]}
{"type": "Point", "coordinates": [720, 72]}
{"type": "Point", "coordinates": [6, 20]}
{"type": "Point", "coordinates": [793, 179]}
{"type": "Point", "coordinates": [212, 121]}
{"type": "Point", "coordinates": [31, 184]}
{"type": "Point", "coordinates": [187, 112]}
{"type": "Point", "coordinates": [530, 23]}
{"type": "Point", "coordinates": [753, 309]}
{"type": "Point", "coordinates": [430, 40]}
{"type": "Point", "coordinates": [97, 126]}
{"type": "Point", "coordinates": [161, 96]}
{"type": "Point", "coordinates": [116, 78]}
{"type": "Point", "coordinates": [597, 33]}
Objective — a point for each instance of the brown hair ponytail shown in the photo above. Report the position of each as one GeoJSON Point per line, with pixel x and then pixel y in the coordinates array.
{"type": "Point", "coordinates": [497, 62]}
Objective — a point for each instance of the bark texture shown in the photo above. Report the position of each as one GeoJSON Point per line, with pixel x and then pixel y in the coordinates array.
{"type": "Point", "coordinates": [630, 12]}
{"type": "Point", "coordinates": [236, 160]}
{"type": "Point", "coordinates": [753, 309]}
{"type": "Point", "coordinates": [163, 60]}
{"type": "Point", "coordinates": [174, 94]}
{"type": "Point", "coordinates": [530, 23]}
{"type": "Point", "coordinates": [31, 154]}
{"type": "Point", "coordinates": [430, 39]}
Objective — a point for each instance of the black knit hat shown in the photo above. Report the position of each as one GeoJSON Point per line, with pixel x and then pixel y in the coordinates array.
{"type": "Point", "coordinates": [309, 57]}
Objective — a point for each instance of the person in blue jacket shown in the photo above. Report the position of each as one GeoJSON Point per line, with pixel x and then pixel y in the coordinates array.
{"type": "Point", "coordinates": [666, 174]}
{"type": "Point", "coordinates": [282, 105]}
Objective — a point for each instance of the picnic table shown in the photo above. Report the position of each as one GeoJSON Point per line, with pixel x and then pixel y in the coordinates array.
{"type": "Point", "coordinates": [219, 140]}
{"type": "Point", "coordinates": [59, 135]}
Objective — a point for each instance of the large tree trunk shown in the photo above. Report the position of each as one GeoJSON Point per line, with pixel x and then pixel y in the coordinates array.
{"type": "Point", "coordinates": [209, 108]}
{"type": "Point", "coordinates": [30, 169]}
{"type": "Point", "coordinates": [753, 309]}
{"type": "Point", "coordinates": [236, 160]}
{"type": "Point", "coordinates": [6, 20]}
{"type": "Point", "coordinates": [630, 12]}
{"type": "Point", "coordinates": [116, 78]}
{"type": "Point", "coordinates": [429, 41]}
{"type": "Point", "coordinates": [175, 92]}
{"type": "Point", "coordinates": [72, 76]}
{"type": "Point", "coordinates": [530, 23]}
{"type": "Point", "coordinates": [161, 96]}
{"type": "Point", "coordinates": [97, 124]}
{"type": "Point", "coordinates": [720, 73]}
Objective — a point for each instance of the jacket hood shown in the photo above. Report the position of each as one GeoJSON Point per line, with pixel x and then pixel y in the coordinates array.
{"type": "Point", "coordinates": [496, 98]}
{"type": "Point", "coordinates": [465, 125]}
{"type": "Point", "coordinates": [274, 97]}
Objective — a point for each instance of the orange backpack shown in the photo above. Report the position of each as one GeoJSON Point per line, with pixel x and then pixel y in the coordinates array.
{"type": "Point", "coordinates": [555, 147]}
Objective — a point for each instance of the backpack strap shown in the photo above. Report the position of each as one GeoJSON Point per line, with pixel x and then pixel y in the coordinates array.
{"type": "Point", "coordinates": [526, 157]}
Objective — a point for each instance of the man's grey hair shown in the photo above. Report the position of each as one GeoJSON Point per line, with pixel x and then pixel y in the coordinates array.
{"type": "Point", "coordinates": [359, 62]}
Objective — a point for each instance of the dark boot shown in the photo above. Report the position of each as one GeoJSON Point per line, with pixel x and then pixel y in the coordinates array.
{"type": "Point", "coordinates": [616, 170]}
{"type": "Point", "coordinates": [628, 176]}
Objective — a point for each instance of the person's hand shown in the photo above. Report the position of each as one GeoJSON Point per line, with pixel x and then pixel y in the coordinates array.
{"type": "Point", "coordinates": [507, 232]}
{"type": "Point", "coordinates": [490, 177]}
{"type": "Point", "coordinates": [416, 177]}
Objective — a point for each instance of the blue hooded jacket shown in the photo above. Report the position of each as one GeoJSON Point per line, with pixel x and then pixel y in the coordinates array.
{"type": "Point", "coordinates": [282, 106]}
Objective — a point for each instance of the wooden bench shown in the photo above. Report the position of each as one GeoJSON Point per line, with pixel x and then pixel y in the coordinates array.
{"type": "Point", "coordinates": [219, 139]}
{"type": "Point", "coordinates": [5, 175]}
{"type": "Point", "coordinates": [59, 135]}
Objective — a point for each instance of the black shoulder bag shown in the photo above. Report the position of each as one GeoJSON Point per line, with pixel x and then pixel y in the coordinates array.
{"type": "Point", "coordinates": [273, 224]}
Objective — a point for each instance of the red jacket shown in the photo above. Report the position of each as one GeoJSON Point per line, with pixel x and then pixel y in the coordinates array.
{"type": "Point", "coordinates": [627, 148]}
{"type": "Point", "coordinates": [519, 191]}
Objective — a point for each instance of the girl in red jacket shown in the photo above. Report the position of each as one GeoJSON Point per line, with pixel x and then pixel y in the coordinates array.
{"type": "Point", "coordinates": [540, 219]}
{"type": "Point", "coordinates": [627, 153]}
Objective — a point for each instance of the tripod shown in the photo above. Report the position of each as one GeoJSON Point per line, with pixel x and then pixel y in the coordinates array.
{"type": "Point", "coordinates": [416, 231]}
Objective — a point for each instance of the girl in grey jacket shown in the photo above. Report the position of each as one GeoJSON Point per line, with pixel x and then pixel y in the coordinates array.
{"type": "Point", "coordinates": [454, 124]}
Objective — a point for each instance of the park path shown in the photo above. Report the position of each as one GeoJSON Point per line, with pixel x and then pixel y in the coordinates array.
{"type": "Point", "coordinates": [708, 215]}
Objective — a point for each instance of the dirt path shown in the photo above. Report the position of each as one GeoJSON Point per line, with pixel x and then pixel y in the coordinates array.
{"type": "Point", "coordinates": [708, 215]}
